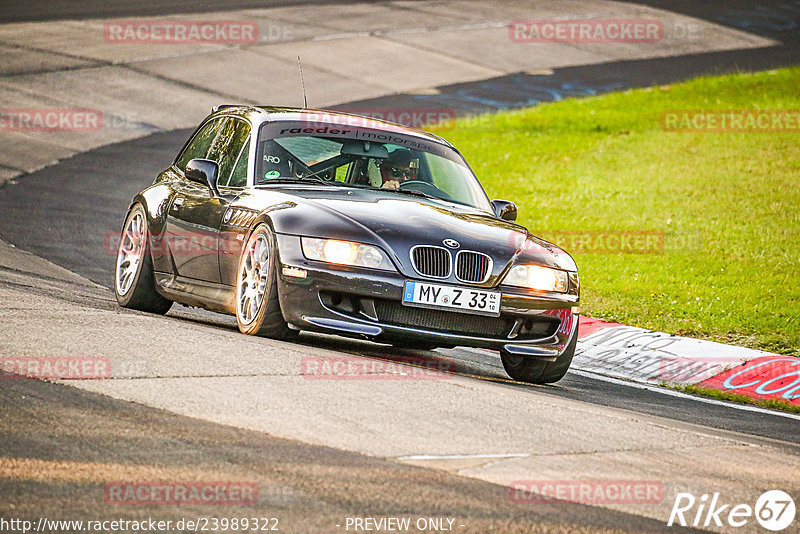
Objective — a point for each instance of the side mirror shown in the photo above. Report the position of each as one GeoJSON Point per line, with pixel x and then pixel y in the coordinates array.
{"type": "Point", "coordinates": [204, 172]}
{"type": "Point", "coordinates": [505, 209]}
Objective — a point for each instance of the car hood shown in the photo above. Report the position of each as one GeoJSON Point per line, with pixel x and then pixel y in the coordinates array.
{"type": "Point", "coordinates": [397, 222]}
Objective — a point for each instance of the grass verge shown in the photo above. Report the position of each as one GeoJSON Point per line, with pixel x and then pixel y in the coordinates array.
{"type": "Point", "coordinates": [700, 391]}
{"type": "Point", "coordinates": [726, 206]}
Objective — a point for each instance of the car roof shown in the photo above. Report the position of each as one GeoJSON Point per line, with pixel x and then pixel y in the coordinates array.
{"type": "Point", "coordinates": [261, 114]}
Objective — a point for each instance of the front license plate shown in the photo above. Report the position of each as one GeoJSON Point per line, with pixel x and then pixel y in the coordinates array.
{"type": "Point", "coordinates": [455, 298]}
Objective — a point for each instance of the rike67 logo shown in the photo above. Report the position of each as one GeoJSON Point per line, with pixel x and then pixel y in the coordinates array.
{"type": "Point", "coordinates": [774, 510]}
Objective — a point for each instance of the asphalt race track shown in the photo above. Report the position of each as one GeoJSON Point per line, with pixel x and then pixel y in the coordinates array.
{"type": "Point", "coordinates": [236, 407]}
{"type": "Point", "coordinates": [56, 10]}
{"type": "Point", "coordinates": [78, 207]}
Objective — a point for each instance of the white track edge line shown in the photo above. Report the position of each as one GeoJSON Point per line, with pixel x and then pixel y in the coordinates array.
{"type": "Point", "coordinates": [674, 393]}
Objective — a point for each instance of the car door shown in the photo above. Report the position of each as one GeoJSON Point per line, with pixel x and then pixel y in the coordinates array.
{"type": "Point", "coordinates": [195, 213]}
{"type": "Point", "coordinates": [233, 180]}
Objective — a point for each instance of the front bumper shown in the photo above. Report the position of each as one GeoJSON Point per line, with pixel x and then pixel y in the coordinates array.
{"type": "Point", "coordinates": [366, 303]}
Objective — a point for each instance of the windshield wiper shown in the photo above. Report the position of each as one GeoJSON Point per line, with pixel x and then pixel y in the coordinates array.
{"type": "Point", "coordinates": [296, 180]}
{"type": "Point", "coordinates": [320, 179]}
{"type": "Point", "coordinates": [414, 192]}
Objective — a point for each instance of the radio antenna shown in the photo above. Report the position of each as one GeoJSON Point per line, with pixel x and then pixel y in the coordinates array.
{"type": "Point", "coordinates": [302, 83]}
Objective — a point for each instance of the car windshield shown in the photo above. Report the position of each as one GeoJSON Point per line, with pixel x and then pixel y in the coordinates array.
{"type": "Point", "coordinates": [365, 157]}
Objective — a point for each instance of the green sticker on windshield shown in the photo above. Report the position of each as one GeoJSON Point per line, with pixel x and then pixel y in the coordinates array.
{"type": "Point", "coordinates": [272, 174]}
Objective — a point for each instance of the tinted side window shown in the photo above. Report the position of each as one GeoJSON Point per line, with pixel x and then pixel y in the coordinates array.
{"type": "Point", "coordinates": [220, 143]}
{"type": "Point", "coordinates": [239, 176]}
{"type": "Point", "coordinates": [231, 153]}
{"type": "Point", "coordinates": [200, 144]}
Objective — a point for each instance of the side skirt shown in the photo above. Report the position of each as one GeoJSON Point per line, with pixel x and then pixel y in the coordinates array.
{"type": "Point", "coordinates": [214, 297]}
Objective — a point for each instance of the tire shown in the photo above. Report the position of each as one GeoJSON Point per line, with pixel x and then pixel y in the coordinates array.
{"type": "Point", "coordinates": [258, 311]}
{"type": "Point", "coordinates": [535, 371]}
{"type": "Point", "coordinates": [134, 284]}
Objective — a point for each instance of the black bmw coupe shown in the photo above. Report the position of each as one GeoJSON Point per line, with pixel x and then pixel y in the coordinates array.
{"type": "Point", "coordinates": [296, 219]}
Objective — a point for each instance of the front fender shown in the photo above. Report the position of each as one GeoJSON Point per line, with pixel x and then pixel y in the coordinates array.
{"type": "Point", "coordinates": [155, 200]}
{"type": "Point", "coordinates": [318, 220]}
{"type": "Point", "coordinates": [233, 240]}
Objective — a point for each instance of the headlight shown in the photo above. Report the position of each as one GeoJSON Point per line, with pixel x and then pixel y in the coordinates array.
{"type": "Point", "coordinates": [536, 277]}
{"type": "Point", "coordinates": [345, 253]}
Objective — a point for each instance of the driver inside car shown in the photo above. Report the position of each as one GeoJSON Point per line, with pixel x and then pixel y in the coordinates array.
{"type": "Point", "coordinates": [399, 167]}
